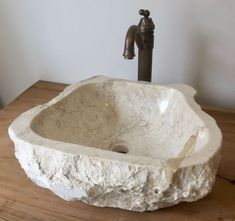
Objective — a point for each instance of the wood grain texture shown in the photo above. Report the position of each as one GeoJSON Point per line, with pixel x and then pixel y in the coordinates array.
{"type": "Point", "coordinates": [21, 199]}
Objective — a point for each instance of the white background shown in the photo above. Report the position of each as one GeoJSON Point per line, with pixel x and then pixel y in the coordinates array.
{"type": "Point", "coordinates": [70, 40]}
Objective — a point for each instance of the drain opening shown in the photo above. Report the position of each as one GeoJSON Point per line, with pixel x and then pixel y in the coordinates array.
{"type": "Point", "coordinates": [156, 191]}
{"type": "Point", "coordinates": [120, 149]}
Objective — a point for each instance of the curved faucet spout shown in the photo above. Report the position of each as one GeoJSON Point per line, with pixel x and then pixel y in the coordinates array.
{"type": "Point", "coordinates": [129, 51]}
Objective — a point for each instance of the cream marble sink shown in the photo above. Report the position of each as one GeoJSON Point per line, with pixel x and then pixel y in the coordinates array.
{"type": "Point", "coordinates": [117, 143]}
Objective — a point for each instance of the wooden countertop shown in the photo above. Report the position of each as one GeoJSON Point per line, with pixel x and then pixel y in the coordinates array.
{"type": "Point", "coordinates": [21, 199]}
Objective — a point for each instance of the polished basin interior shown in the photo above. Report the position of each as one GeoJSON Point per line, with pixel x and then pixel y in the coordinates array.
{"type": "Point", "coordinates": [126, 117]}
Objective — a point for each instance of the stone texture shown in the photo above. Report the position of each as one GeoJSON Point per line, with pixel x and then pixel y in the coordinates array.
{"type": "Point", "coordinates": [118, 143]}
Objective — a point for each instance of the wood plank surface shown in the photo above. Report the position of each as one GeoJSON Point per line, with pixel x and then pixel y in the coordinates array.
{"type": "Point", "coordinates": [21, 199]}
{"type": "Point", "coordinates": [225, 119]}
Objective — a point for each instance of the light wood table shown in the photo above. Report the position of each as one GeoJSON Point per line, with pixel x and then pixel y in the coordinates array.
{"type": "Point", "coordinates": [21, 199]}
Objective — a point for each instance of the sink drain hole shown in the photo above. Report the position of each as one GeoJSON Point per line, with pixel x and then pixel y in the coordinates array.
{"type": "Point", "coordinates": [120, 149]}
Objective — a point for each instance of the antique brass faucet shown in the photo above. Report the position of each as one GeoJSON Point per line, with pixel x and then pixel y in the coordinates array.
{"type": "Point", "coordinates": [142, 34]}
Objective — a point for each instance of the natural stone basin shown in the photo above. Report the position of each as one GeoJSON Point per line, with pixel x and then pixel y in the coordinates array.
{"type": "Point", "coordinates": [117, 143]}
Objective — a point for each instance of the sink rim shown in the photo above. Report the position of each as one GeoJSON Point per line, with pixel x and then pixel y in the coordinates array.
{"type": "Point", "coordinates": [28, 136]}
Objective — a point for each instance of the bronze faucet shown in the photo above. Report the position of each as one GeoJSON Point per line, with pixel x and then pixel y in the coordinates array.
{"type": "Point", "coordinates": [142, 34]}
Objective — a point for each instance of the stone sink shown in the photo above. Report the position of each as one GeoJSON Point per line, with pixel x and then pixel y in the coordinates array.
{"type": "Point", "coordinates": [118, 143]}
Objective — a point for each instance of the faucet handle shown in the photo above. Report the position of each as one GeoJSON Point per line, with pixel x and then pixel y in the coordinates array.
{"type": "Point", "coordinates": [146, 24]}
{"type": "Point", "coordinates": [145, 13]}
